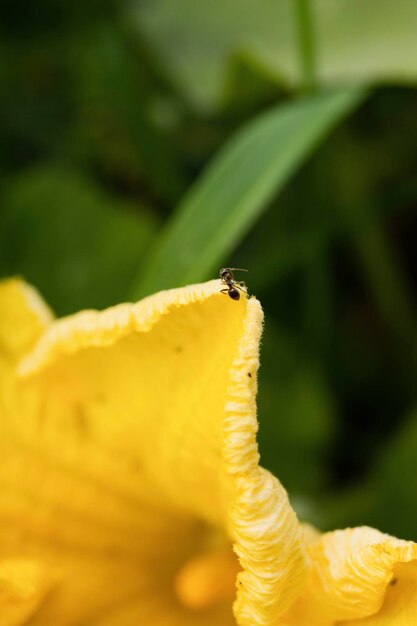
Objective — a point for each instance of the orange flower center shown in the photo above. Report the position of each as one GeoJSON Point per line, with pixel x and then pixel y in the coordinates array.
{"type": "Point", "coordinates": [207, 580]}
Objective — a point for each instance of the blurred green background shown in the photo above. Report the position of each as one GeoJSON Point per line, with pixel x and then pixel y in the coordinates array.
{"type": "Point", "coordinates": [146, 143]}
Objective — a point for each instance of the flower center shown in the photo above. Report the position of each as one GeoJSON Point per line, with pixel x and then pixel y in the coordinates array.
{"type": "Point", "coordinates": [207, 580]}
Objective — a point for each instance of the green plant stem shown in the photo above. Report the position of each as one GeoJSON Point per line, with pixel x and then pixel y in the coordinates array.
{"type": "Point", "coordinates": [305, 43]}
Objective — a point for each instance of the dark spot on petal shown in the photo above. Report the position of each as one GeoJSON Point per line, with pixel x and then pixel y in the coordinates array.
{"type": "Point", "coordinates": [81, 421]}
{"type": "Point", "coordinates": [393, 581]}
{"type": "Point", "coordinates": [250, 375]}
{"type": "Point", "coordinates": [134, 466]}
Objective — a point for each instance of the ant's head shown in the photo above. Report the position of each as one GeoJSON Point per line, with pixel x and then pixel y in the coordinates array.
{"type": "Point", "coordinates": [224, 272]}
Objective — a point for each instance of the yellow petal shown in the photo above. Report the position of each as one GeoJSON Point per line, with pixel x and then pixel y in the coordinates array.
{"type": "Point", "coordinates": [23, 587]}
{"type": "Point", "coordinates": [399, 607]}
{"type": "Point", "coordinates": [131, 441]}
{"type": "Point", "coordinates": [23, 317]}
{"type": "Point", "coordinates": [358, 573]}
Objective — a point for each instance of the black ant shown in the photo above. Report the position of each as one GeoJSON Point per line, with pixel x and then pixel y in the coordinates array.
{"type": "Point", "coordinates": [226, 275]}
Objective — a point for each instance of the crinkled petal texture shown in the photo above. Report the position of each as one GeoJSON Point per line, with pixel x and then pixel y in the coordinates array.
{"type": "Point", "coordinates": [359, 577]}
{"type": "Point", "coordinates": [129, 463]}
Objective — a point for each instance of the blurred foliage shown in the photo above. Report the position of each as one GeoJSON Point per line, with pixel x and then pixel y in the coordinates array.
{"type": "Point", "coordinates": [110, 112]}
{"type": "Point", "coordinates": [79, 246]}
{"type": "Point", "coordinates": [235, 189]}
{"type": "Point", "coordinates": [356, 40]}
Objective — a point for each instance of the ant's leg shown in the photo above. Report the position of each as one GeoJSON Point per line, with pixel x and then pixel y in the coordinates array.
{"type": "Point", "coordinates": [224, 290]}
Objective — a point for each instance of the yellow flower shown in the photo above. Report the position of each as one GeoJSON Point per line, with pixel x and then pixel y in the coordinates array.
{"type": "Point", "coordinates": [129, 469]}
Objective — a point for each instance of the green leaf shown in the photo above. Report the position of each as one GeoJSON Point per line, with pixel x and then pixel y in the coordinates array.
{"type": "Point", "coordinates": [77, 244]}
{"type": "Point", "coordinates": [236, 187]}
{"type": "Point", "coordinates": [366, 41]}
